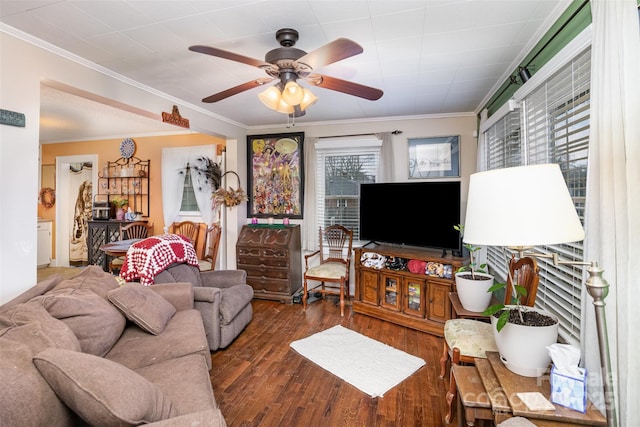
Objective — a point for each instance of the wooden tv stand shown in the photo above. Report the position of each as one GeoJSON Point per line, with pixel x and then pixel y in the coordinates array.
{"type": "Point", "coordinates": [416, 300]}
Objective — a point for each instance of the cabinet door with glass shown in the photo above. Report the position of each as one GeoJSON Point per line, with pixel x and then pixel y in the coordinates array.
{"type": "Point", "coordinates": [414, 291]}
{"type": "Point", "coordinates": [390, 291]}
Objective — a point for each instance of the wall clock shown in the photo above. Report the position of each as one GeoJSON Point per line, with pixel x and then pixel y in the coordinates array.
{"type": "Point", "coordinates": [127, 148]}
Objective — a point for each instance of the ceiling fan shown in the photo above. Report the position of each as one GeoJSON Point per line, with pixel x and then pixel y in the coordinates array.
{"type": "Point", "coordinates": [288, 64]}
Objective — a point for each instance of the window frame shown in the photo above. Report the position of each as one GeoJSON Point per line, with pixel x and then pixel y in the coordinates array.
{"type": "Point", "coordinates": [349, 146]}
{"type": "Point", "coordinates": [545, 126]}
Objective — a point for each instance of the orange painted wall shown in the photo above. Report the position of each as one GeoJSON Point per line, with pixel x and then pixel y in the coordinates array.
{"type": "Point", "coordinates": [109, 150]}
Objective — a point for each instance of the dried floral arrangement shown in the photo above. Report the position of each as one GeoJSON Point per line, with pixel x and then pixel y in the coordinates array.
{"type": "Point", "coordinates": [231, 197]}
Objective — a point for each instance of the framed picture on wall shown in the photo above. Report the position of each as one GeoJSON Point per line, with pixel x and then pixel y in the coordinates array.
{"type": "Point", "coordinates": [276, 178]}
{"type": "Point", "coordinates": [434, 157]}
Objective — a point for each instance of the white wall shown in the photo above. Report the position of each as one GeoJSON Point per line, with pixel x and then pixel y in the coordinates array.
{"type": "Point", "coordinates": [22, 68]}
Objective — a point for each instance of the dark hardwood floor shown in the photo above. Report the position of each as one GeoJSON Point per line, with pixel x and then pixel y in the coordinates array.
{"type": "Point", "coordinates": [260, 381]}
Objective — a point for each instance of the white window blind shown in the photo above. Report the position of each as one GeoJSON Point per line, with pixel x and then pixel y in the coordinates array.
{"type": "Point", "coordinates": [340, 169]}
{"type": "Point", "coordinates": [503, 151]}
{"type": "Point", "coordinates": [554, 123]}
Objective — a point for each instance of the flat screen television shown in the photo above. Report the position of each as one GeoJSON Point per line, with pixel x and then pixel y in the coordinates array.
{"type": "Point", "coordinates": [411, 213]}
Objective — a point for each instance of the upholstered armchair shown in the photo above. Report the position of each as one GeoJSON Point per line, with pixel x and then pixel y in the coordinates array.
{"type": "Point", "coordinates": [222, 297]}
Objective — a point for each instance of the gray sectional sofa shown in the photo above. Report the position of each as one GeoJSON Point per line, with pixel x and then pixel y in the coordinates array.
{"type": "Point", "coordinates": [87, 351]}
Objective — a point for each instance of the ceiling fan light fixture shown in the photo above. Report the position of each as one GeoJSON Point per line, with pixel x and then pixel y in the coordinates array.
{"type": "Point", "coordinates": [308, 99]}
{"type": "Point", "coordinates": [284, 108]}
{"type": "Point", "coordinates": [271, 97]}
{"type": "Point", "coordinates": [293, 93]}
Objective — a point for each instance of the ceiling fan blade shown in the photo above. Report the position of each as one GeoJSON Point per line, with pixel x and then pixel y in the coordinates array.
{"type": "Point", "coordinates": [213, 51]}
{"type": "Point", "coordinates": [236, 89]}
{"type": "Point", "coordinates": [345, 86]}
{"type": "Point", "coordinates": [331, 52]}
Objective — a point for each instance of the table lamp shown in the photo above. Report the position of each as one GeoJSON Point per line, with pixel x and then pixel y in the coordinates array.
{"type": "Point", "coordinates": [537, 210]}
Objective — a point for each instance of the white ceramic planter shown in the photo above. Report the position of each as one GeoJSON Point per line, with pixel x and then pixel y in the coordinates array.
{"type": "Point", "coordinates": [473, 293]}
{"type": "Point", "coordinates": [523, 349]}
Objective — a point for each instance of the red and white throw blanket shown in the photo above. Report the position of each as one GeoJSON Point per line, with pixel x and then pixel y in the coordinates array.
{"type": "Point", "coordinates": [148, 257]}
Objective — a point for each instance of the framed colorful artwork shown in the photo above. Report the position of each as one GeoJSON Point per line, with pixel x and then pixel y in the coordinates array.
{"type": "Point", "coordinates": [436, 157]}
{"type": "Point", "coordinates": [276, 178]}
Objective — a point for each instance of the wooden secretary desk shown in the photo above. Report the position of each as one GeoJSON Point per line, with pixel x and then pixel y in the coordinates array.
{"type": "Point", "coordinates": [271, 256]}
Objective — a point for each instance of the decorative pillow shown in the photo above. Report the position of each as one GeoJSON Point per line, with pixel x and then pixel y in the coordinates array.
{"type": "Point", "coordinates": [96, 323]}
{"type": "Point", "coordinates": [102, 392]}
{"type": "Point", "coordinates": [143, 306]}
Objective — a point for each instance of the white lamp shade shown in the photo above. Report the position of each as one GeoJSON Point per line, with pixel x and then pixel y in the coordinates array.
{"type": "Point", "coordinates": [270, 97]}
{"type": "Point", "coordinates": [529, 206]}
{"type": "Point", "coordinates": [293, 93]}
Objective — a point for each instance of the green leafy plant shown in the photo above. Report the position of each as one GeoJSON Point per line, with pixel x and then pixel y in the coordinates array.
{"type": "Point", "coordinates": [473, 267]}
{"type": "Point", "coordinates": [119, 202]}
{"type": "Point", "coordinates": [503, 318]}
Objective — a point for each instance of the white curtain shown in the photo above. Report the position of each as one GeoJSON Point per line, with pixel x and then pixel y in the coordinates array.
{"type": "Point", "coordinates": [174, 160]}
{"type": "Point", "coordinates": [613, 198]}
{"type": "Point", "coordinates": [386, 164]}
{"type": "Point", "coordinates": [309, 227]}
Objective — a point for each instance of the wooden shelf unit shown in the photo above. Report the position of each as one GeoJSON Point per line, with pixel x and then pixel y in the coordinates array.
{"type": "Point", "coordinates": [417, 301]}
{"type": "Point", "coordinates": [128, 179]}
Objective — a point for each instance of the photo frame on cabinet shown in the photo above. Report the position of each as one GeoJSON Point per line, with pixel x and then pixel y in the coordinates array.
{"type": "Point", "coordinates": [434, 157]}
{"type": "Point", "coordinates": [276, 176]}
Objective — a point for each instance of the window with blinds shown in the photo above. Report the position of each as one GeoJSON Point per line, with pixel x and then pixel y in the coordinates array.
{"type": "Point", "coordinates": [340, 169]}
{"type": "Point", "coordinates": [553, 124]}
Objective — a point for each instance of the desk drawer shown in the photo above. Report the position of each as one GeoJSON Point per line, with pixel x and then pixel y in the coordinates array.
{"type": "Point", "coordinates": [261, 256]}
{"type": "Point", "coordinates": [266, 284]}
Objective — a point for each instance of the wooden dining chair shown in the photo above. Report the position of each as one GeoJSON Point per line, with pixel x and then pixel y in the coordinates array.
{"type": "Point", "coordinates": [188, 229]}
{"type": "Point", "coordinates": [467, 339]}
{"type": "Point", "coordinates": [208, 258]}
{"type": "Point", "coordinates": [132, 230]}
{"type": "Point", "coordinates": [332, 272]}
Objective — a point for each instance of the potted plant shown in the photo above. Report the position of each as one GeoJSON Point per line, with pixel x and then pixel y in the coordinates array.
{"type": "Point", "coordinates": [472, 280]}
{"type": "Point", "coordinates": [522, 334]}
{"type": "Point", "coordinates": [119, 204]}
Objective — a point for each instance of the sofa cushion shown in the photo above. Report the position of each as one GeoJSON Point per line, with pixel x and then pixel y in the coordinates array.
{"type": "Point", "coordinates": [185, 380]}
{"type": "Point", "coordinates": [96, 323]}
{"type": "Point", "coordinates": [102, 392]}
{"type": "Point", "coordinates": [26, 329]}
{"type": "Point", "coordinates": [234, 299]}
{"type": "Point", "coordinates": [25, 397]}
{"type": "Point", "coordinates": [39, 289]}
{"type": "Point", "coordinates": [184, 334]}
{"type": "Point", "coordinates": [91, 278]}
{"type": "Point", "coordinates": [143, 306]}
{"type": "Point", "coordinates": [33, 326]}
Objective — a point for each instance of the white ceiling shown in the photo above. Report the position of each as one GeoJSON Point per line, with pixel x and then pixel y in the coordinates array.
{"type": "Point", "coordinates": [429, 57]}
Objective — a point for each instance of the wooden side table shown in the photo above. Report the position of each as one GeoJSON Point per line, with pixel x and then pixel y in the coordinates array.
{"type": "Point", "coordinates": [474, 402]}
{"type": "Point", "coordinates": [512, 384]}
{"type": "Point", "coordinates": [489, 391]}
{"type": "Point", "coordinates": [458, 311]}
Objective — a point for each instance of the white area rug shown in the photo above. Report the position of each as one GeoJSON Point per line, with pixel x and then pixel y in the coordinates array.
{"type": "Point", "coordinates": [365, 363]}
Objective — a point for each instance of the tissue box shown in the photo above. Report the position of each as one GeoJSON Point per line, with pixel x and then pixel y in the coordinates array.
{"type": "Point", "coordinates": [568, 390]}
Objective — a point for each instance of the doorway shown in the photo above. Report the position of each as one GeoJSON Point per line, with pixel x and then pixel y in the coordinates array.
{"type": "Point", "coordinates": [66, 204]}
